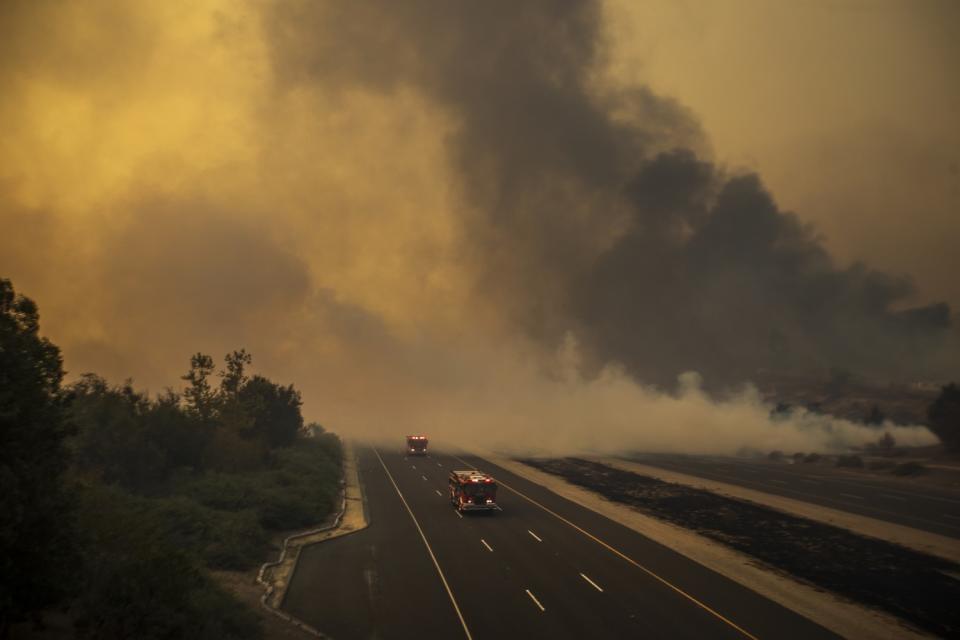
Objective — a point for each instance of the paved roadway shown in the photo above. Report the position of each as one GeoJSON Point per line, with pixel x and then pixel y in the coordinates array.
{"type": "Point", "coordinates": [543, 567]}
{"type": "Point", "coordinates": [896, 500]}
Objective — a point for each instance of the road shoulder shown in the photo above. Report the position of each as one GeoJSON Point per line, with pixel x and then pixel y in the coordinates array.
{"type": "Point", "coordinates": [841, 617]}
{"type": "Point", "coordinates": [922, 541]}
{"type": "Point", "coordinates": [350, 518]}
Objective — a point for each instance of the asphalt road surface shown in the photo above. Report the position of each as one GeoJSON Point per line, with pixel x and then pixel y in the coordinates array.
{"type": "Point", "coordinates": [891, 499]}
{"type": "Point", "coordinates": [542, 567]}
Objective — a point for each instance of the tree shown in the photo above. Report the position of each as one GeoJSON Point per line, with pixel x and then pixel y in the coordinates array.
{"type": "Point", "coordinates": [175, 432]}
{"type": "Point", "coordinates": [886, 442]}
{"type": "Point", "coordinates": [276, 410]}
{"type": "Point", "coordinates": [37, 553]}
{"type": "Point", "coordinates": [232, 412]}
{"type": "Point", "coordinates": [113, 442]}
{"type": "Point", "coordinates": [198, 395]}
{"type": "Point", "coordinates": [943, 416]}
{"type": "Point", "coordinates": [875, 417]}
{"type": "Point", "coordinates": [234, 378]}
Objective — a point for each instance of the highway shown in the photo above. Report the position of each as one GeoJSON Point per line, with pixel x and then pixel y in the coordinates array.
{"type": "Point", "coordinates": [542, 567]}
{"type": "Point", "coordinates": [892, 499]}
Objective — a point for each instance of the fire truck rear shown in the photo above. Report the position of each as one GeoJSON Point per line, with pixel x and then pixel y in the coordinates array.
{"type": "Point", "coordinates": [417, 445]}
{"type": "Point", "coordinates": [473, 491]}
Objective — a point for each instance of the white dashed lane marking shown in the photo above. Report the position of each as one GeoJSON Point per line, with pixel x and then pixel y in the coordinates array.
{"type": "Point", "coordinates": [535, 601]}
{"type": "Point", "coordinates": [592, 583]}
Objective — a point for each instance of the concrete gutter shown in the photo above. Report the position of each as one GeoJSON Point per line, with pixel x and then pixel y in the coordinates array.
{"type": "Point", "coordinates": [922, 541]}
{"type": "Point", "coordinates": [349, 518]}
{"type": "Point", "coordinates": [842, 617]}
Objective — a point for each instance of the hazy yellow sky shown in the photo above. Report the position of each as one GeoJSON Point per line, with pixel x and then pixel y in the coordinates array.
{"type": "Point", "coordinates": [165, 189]}
{"type": "Point", "coordinates": [850, 110]}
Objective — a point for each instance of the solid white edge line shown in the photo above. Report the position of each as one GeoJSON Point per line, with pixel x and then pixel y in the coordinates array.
{"type": "Point", "coordinates": [592, 583]}
{"type": "Point", "coordinates": [627, 558]}
{"type": "Point", "coordinates": [534, 598]}
{"type": "Point", "coordinates": [436, 564]}
{"type": "Point", "coordinates": [489, 548]}
{"type": "Point", "coordinates": [535, 536]}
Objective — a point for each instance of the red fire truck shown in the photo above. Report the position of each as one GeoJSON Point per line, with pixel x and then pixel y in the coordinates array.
{"type": "Point", "coordinates": [416, 445]}
{"type": "Point", "coordinates": [473, 491]}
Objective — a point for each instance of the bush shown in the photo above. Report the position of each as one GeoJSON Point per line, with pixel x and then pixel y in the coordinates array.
{"type": "Point", "coordinates": [811, 458]}
{"type": "Point", "coordinates": [909, 469]}
{"type": "Point", "coordinates": [852, 461]}
{"type": "Point", "coordinates": [141, 582]}
{"type": "Point", "coordinates": [299, 490]}
{"type": "Point", "coordinates": [223, 539]}
{"type": "Point", "coordinates": [775, 455]}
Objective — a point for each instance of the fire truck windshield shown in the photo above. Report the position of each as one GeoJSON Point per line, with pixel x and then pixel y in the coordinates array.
{"type": "Point", "coordinates": [478, 489]}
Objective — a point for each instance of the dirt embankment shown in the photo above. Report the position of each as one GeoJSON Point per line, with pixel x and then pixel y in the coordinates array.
{"type": "Point", "coordinates": [918, 588]}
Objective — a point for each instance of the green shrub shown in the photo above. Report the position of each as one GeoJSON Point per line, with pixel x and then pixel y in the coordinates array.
{"type": "Point", "coordinates": [139, 581]}
{"type": "Point", "coordinates": [300, 490]}
{"type": "Point", "coordinates": [224, 539]}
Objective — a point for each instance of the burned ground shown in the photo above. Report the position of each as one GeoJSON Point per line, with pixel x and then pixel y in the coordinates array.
{"type": "Point", "coordinates": [918, 588]}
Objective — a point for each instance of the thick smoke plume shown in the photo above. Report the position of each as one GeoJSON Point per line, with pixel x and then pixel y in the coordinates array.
{"type": "Point", "coordinates": [429, 216]}
{"type": "Point", "coordinates": [594, 210]}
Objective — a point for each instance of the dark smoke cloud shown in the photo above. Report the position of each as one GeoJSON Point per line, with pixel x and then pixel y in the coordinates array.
{"type": "Point", "coordinates": [598, 212]}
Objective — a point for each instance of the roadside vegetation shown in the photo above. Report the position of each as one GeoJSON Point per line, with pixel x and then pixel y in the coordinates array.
{"type": "Point", "coordinates": [117, 504]}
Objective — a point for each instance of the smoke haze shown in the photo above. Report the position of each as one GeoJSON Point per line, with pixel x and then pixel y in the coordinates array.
{"type": "Point", "coordinates": [435, 217]}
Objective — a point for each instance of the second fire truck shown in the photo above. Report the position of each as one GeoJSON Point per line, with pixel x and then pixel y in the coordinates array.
{"type": "Point", "coordinates": [417, 445]}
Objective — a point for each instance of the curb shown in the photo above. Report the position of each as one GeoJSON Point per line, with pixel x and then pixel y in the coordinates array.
{"type": "Point", "coordinates": [275, 586]}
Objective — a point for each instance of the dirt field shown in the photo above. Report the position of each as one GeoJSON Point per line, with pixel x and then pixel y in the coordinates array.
{"type": "Point", "coordinates": [918, 588]}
